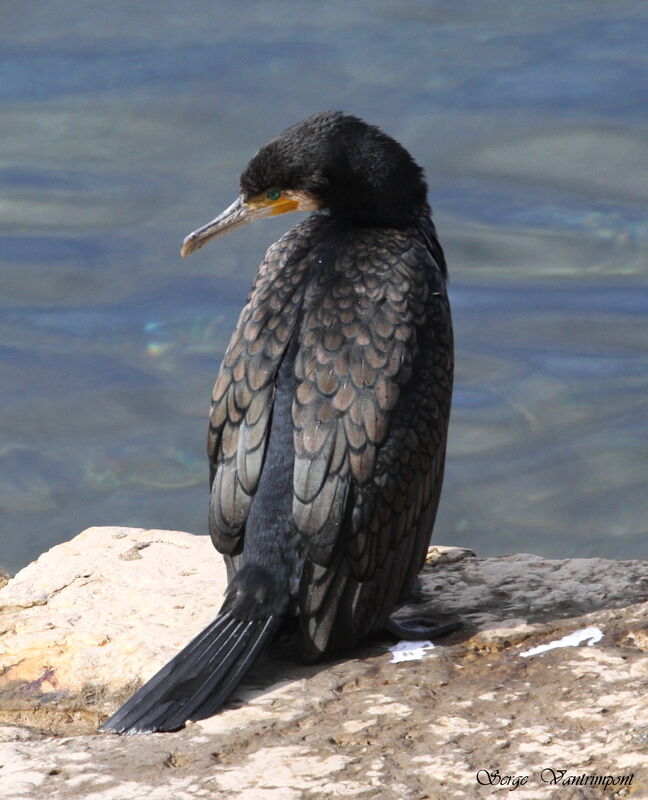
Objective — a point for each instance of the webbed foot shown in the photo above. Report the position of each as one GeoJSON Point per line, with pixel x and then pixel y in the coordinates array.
{"type": "Point", "coordinates": [417, 628]}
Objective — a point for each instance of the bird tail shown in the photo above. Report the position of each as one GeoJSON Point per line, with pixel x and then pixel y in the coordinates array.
{"type": "Point", "coordinates": [199, 679]}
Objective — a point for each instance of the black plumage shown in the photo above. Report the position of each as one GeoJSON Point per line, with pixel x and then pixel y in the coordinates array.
{"type": "Point", "coordinates": [329, 415]}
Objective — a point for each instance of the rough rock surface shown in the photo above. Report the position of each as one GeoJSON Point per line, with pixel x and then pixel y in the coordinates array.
{"type": "Point", "coordinates": [93, 617]}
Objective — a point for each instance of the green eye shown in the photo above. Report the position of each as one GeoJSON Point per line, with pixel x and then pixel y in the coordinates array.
{"type": "Point", "coordinates": [273, 194]}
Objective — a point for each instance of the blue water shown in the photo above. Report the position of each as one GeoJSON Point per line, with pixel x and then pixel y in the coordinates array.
{"type": "Point", "coordinates": [126, 125]}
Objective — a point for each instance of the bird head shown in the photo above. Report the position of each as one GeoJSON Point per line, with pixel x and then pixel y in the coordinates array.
{"type": "Point", "coordinates": [330, 162]}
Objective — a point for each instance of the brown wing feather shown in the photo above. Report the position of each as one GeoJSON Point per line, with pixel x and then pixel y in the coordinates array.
{"type": "Point", "coordinates": [357, 336]}
{"type": "Point", "coordinates": [244, 390]}
{"type": "Point", "coordinates": [370, 416]}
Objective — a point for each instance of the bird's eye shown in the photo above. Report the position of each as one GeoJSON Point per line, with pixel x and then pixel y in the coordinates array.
{"type": "Point", "coordinates": [273, 194]}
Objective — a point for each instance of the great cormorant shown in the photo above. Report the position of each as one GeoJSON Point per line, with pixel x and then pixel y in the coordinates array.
{"type": "Point", "coordinates": [328, 423]}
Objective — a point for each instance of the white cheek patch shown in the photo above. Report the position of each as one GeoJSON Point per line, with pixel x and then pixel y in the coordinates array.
{"type": "Point", "coordinates": [409, 651]}
{"type": "Point", "coordinates": [589, 635]}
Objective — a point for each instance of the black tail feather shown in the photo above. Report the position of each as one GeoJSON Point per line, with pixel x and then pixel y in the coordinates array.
{"type": "Point", "coordinates": [198, 680]}
{"type": "Point", "coordinates": [214, 701]}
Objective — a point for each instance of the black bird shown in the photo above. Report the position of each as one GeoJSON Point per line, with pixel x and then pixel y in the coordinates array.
{"type": "Point", "coordinates": [327, 431]}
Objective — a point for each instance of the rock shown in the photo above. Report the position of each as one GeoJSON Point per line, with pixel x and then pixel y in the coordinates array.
{"type": "Point", "coordinates": [548, 674]}
{"type": "Point", "coordinates": [93, 617]}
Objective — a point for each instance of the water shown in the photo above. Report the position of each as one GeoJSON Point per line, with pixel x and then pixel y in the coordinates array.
{"type": "Point", "coordinates": [125, 125]}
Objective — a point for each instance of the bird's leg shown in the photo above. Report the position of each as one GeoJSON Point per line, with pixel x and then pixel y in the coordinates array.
{"type": "Point", "coordinates": [416, 595]}
{"type": "Point", "coordinates": [416, 628]}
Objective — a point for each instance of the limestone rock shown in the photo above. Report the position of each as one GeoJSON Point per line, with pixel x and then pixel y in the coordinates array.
{"type": "Point", "coordinates": [549, 674]}
{"type": "Point", "coordinates": [93, 617]}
